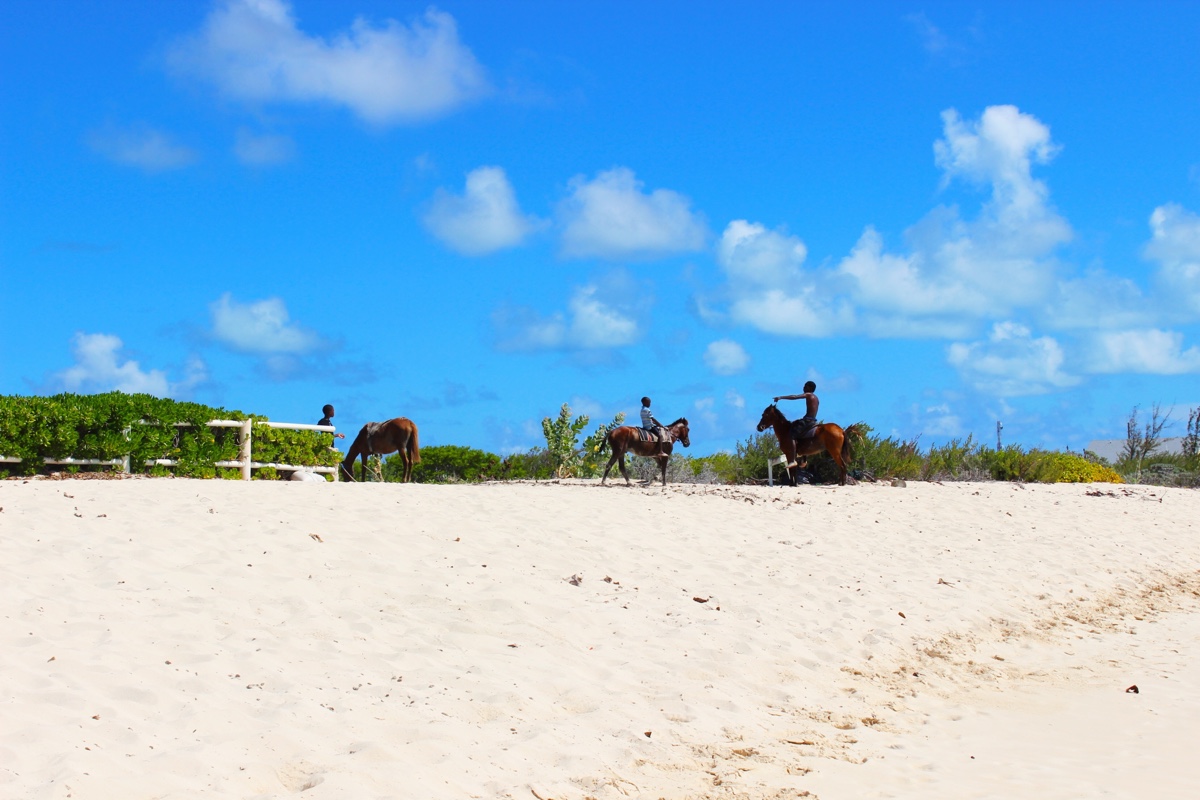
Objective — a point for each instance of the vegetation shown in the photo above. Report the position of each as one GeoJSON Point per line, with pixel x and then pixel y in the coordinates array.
{"type": "Point", "coordinates": [142, 428]}
{"type": "Point", "coordinates": [115, 426]}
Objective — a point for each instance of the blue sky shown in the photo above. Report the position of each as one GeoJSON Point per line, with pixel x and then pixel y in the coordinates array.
{"type": "Point", "coordinates": [946, 214]}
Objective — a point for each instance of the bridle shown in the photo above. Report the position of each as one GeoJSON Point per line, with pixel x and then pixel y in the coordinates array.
{"type": "Point", "coordinates": [762, 423]}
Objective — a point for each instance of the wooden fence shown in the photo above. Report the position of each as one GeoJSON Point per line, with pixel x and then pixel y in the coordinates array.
{"type": "Point", "coordinates": [245, 460]}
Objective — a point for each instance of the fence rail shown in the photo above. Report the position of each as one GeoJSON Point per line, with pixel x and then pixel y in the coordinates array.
{"type": "Point", "coordinates": [244, 462]}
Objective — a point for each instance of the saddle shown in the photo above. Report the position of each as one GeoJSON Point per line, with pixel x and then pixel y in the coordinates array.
{"type": "Point", "coordinates": [372, 429]}
{"type": "Point", "coordinates": [803, 428]}
{"type": "Point", "coordinates": [656, 435]}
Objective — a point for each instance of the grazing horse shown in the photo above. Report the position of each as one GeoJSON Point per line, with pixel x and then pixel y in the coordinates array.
{"type": "Point", "coordinates": [626, 439]}
{"type": "Point", "coordinates": [381, 438]}
{"type": "Point", "coordinates": [827, 436]}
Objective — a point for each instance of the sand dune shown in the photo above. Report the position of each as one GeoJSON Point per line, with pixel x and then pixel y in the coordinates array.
{"type": "Point", "coordinates": [180, 639]}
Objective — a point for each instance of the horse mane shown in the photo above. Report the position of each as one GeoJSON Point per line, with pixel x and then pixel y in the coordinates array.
{"type": "Point", "coordinates": [676, 422]}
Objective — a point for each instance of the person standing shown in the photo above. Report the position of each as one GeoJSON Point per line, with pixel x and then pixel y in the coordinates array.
{"type": "Point", "coordinates": [327, 410]}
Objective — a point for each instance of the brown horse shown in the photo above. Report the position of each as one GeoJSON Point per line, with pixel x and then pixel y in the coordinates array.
{"type": "Point", "coordinates": [827, 436]}
{"type": "Point", "coordinates": [381, 438]}
{"type": "Point", "coordinates": [626, 439]}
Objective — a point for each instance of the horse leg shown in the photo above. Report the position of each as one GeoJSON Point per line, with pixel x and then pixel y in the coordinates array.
{"type": "Point", "coordinates": [834, 448]}
{"type": "Point", "coordinates": [791, 468]}
{"type": "Point", "coordinates": [624, 474]}
{"type": "Point", "coordinates": [662, 465]}
{"type": "Point", "coordinates": [611, 460]}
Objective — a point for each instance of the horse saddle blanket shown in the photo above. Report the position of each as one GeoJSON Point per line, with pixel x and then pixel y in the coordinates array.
{"type": "Point", "coordinates": [646, 435]}
{"type": "Point", "coordinates": [372, 429]}
{"type": "Point", "coordinates": [803, 428]}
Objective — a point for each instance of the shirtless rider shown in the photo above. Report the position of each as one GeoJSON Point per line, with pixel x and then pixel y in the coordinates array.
{"type": "Point", "coordinates": [804, 427]}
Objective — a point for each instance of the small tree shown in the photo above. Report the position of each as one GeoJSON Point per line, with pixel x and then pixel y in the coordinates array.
{"type": "Point", "coordinates": [561, 437]}
{"type": "Point", "coordinates": [1191, 442]}
{"type": "Point", "coordinates": [1140, 442]}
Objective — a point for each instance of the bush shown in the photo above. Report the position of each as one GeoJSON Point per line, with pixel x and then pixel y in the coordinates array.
{"type": "Point", "coordinates": [115, 425]}
{"type": "Point", "coordinates": [884, 458]}
{"type": "Point", "coordinates": [446, 464]}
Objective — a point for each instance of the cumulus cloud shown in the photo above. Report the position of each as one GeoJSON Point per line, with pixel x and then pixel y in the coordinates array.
{"type": "Point", "coordinates": [142, 147]}
{"type": "Point", "coordinates": [989, 266]}
{"type": "Point", "coordinates": [749, 252]}
{"type": "Point", "coordinates": [484, 219]}
{"type": "Point", "coordinates": [954, 273]}
{"type": "Point", "coordinates": [726, 357]}
{"type": "Point", "coordinates": [262, 327]}
{"type": "Point", "coordinates": [590, 323]}
{"type": "Point", "coordinates": [612, 217]}
{"type": "Point", "coordinates": [263, 150]}
{"type": "Point", "coordinates": [768, 288]}
{"type": "Point", "coordinates": [100, 367]}
{"type": "Point", "coordinates": [1150, 351]}
{"type": "Point", "coordinates": [1175, 244]}
{"type": "Point", "coordinates": [254, 50]}
{"type": "Point", "coordinates": [1011, 362]}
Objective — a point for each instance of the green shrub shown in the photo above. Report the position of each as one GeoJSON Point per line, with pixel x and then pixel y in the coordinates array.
{"type": "Point", "coordinates": [750, 459]}
{"type": "Point", "coordinates": [1070, 468]}
{"type": "Point", "coordinates": [561, 437]}
{"type": "Point", "coordinates": [886, 458]}
{"type": "Point", "coordinates": [446, 464]}
{"type": "Point", "coordinates": [115, 425]}
{"type": "Point", "coordinates": [535, 464]}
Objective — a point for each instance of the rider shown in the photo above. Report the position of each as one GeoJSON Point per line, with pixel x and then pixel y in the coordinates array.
{"type": "Point", "coordinates": [656, 428]}
{"type": "Point", "coordinates": [806, 425]}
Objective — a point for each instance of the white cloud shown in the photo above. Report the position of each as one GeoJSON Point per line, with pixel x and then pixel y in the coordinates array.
{"type": "Point", "coordinates": [955, 272]}
{"type": "Point", "coordinates": [999, 150]}
{"type": "Point", "coordinates": [803, 312]}
{"type": "Point", "coordinates": [726, 357]}
{"type": "Point", "coordinates": [590, 323]}
{"type": "Point", "coordinates": [263, 150]}
{"type": "Point", "coordinates": [1011, 362]}
{"type": "Point", "coordinates": [259, 327]}
{"type": "Point", "coordinates": [986, 267]}
{"type": "Point", "coordinates": [1175, 243]}
{"type": "Point", "coordinates": [484, 219]}
{"type": "Point", "coordinates": [254, 50]}
{"type": "Point", "coordinates": [933, 39]}
{"type": "Point", "coordinates": [596, 324]}
{"type": "Point", "coordinates": [142, 147]}
{"type": "Point", "coordinates": [1153, 352]}
{"type": "Point", "coordinates": [612, 217]}
{"type": "Point", "coordinates": [100, 367]}
{"type": "Point", "coordinates": [768, 287]}
{"type": "Point", "coordinates": [748, 252]}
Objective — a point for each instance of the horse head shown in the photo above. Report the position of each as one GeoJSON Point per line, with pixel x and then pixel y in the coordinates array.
{"type": "Point", "coordinates": [679, 430]}
{"type": "Point", "coordinates": [771, 414]}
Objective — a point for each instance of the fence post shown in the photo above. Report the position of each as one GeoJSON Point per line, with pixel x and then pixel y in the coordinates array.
{"type": "Point", "coordinates": [125, 462]}
{"type": "Point", "coordinates": [245, 452]}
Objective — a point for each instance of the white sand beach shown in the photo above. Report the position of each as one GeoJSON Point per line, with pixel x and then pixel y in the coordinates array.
{"type": "Point", "coordinates": [183, 639]}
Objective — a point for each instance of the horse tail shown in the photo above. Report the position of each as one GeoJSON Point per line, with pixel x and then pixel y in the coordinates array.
{"type": "Point", "coordinates": [855, 431]}
{"type": "Point", "coordinates": [414, 447]}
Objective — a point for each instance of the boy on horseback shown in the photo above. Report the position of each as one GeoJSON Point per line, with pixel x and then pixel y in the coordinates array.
{"type": "Point", "coordinates": [803, 428]}
{"type": "Point", "coordinates": [656, 428]}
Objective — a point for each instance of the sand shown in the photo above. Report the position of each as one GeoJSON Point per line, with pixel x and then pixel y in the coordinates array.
{"type": "Point", "coordinates": [182, 639]}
